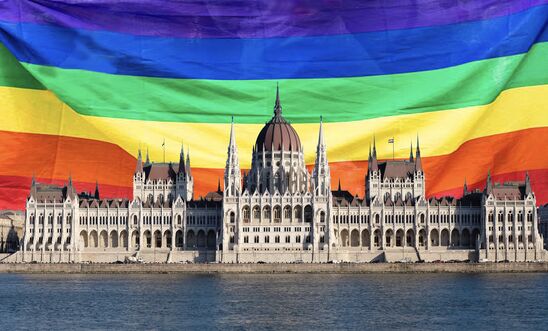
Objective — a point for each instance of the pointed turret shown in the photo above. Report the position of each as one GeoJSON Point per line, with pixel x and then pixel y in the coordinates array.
{"type": "Point", "coordinates": [277, 104]}
{"type": "Point", "coordinates": [182, 167]}
{"type": "Point", "coordinates": [418, 160]}
{"type": "Point", "coordinates": [339, 187]}
{"type": "Point", "coordinates": [411, 153]}
{"type": "Point", "coordinates": [71, 192]}
{"type": "Point", "coordinates": [528, 189]}
{"type": "Point", "coordinates": [233, 180]}
{"type": "Point", "coordinates": [489, 184]}
{"type": "Point", "coordinates": [321, 174]}
{"type": "Point", "coordinates": [374, 162]}
{"type": "Point", "coordinates": [465, 189]}
{"type": "Point", "coordinates": [96, 194]}
{"type": "Point", "coordinates": [33, 186]}
{"type": "Point", "coordinates": [219, 186]}
{"type": "Point", "coordinates": [187, 166]}
{"type": "Point", "coordinates": [147, 162]}
{"type": "Point", "coordinates": [139, 167]}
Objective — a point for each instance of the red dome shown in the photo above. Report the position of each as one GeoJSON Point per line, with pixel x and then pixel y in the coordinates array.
{"type": "Point", "coordinates": [278, 134]}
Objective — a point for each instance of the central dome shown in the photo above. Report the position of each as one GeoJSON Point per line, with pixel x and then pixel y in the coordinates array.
{"type": "Point", "coordinates": [278, 134]}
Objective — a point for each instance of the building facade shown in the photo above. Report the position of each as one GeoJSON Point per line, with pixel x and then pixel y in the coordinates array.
{"type": "Point", "coordinates": [278, 211]}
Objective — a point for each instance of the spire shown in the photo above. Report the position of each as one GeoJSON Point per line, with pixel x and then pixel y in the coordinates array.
{"type": "Point", "coordinates": [374, 163]}
{"type": "Point", "coordinates": [488, 184]}
{"type": "Point", "coordinates": [188, 161]}
{"type": "Point", "coordinates": [147, 162]}
{"type": "Point", "coordinates": [418, 161]}
{"type": "Point", "coordinates": [411, 153]}
{"type": "Point", "coordinates": [321, 174]}
{"type": "Point", "coordinates": [321, 141]}
{"type": "Point", "coordinates": [182, 160]}
{"type": "Point", "coordinates": [96, 195]}
{"type": "Point", "coordinates": [219, 185]}
{"type": "Point", "coordinates": [528, 189]}
{"type": "Point", "coordinates": [139, 167]}
{"type": "Point", "coordinates": [33, 186]}
{"type": "Point", "coordinates": [277, 105]}
{"type": "Point", "coordinates": [374, 148]}
{"type": "Point", "coordinates": [465, 189]}
{"type": "Point", "coordinates": [339, 187]}
{"type": "Point", "coordinates": [232, 141]}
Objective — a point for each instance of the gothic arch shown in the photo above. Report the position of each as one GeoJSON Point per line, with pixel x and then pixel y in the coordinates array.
{"type": "Point", "coordinates": [93, 240]}
{"type": "Point", "coordinates": [113, 239]}
{"type": "Point", "coordinates": [455, 238]}
{"type": "Point", "coordinates": [410, 238]}
{"type": "Point", "coordinates": [355, 238]}
{"type": "Point", "coordinates": [211, 239]}
{"type": "Point", "coordinates": [83, 239]}
{"type": "Point", "coordinates": [201, 239]}
{"type": "Point", "coordinates": [434, 237]}
{"type": "Point", "coordinates": [190, 239]}
{"type": "Point", "coordinates": [344, 238]}
{"type": "Point", "coordinates": [366, 241]}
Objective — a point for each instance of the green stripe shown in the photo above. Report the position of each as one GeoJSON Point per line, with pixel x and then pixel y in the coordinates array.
{"type": "Point", "coordinates": [13, 74]}
{"type": "Point", "coordinates": [304, 100]}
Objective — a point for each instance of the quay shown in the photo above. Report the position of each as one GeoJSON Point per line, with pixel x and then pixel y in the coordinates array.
{"type": "Point", "coordinates": [271, 268]}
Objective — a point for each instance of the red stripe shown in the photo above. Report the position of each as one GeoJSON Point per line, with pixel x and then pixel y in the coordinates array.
{"type": "Point", "coordinates": [507, 155]}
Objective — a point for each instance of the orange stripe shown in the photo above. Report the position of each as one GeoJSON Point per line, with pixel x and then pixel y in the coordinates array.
{"type": "Point", "coordinates": [539, 184]}
{"type": "Point", "coordinates": [88, 160]}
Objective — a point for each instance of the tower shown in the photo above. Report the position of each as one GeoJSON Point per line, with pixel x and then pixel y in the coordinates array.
{"type": "Point", "coordinates": [418, 177]}
{"type": "Point", "coordinates": [372, 180]}
{"type": "Point", "coordinates": [233, 179]}
{"type": "Point", "coordinates": [185, 181]}
{"type": "Point", "coordinates": [139, 177]}
{"type": "Point", "coordinates": [321, 176]}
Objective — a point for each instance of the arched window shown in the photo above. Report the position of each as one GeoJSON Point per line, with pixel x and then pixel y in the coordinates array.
{"type": "Point", "coordinates": [298, 214]}
{"type": "Point", "coordinates": [277, 214]}
{"type": "Point", "coordinates": [308, 214]}
{"type": "Point", "coordinates": [256, 213]}
{"type": "Point", "coordinates": [266, 213]}
{"type": "Point", "coordinates": [322, 216]}
{"type": "Point", "coordinates": [246, 214]}
{"type": "Point", "coordinates": [287, 213]}
{"type": "Point", "coordinates": [232, 217]}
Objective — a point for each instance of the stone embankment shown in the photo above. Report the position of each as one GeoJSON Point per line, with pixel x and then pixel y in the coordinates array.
{"type": "Point", "coordinates": [344, 268]}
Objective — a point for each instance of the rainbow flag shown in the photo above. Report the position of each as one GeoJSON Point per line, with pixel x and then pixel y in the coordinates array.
{"type": "Point", "coordinates": [84, 84]}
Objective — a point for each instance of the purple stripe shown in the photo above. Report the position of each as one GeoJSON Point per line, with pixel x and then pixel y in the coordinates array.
{"type": "Point", "coordinates": [255, 19]}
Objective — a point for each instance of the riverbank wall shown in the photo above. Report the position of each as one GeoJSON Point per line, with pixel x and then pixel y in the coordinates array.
{"type": "Point", "coordinates": [214, 268]}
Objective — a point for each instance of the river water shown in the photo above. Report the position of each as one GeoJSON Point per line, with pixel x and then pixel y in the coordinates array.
{"type": "Point", "coordinates": [271, 302]}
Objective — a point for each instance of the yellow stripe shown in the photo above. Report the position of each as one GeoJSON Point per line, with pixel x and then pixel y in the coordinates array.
{"type": "Point", "coordinates": [441, 132]}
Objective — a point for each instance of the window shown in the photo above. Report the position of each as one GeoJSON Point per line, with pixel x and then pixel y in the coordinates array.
{"type": "Point", "coordinates": [277, 239]}
{"type": "Point", "coordinates": [231, 239]}
{"type": "Point", "coordinates": [246, 239]}
{"type": "Point", "coordinates": [287, 213]}
{"type": "Point", "coordinates": [322, 217]}
{"type": "Point", "coordinates": [246, 214]}
{"type": "Point", "coordinates": [277, 214]}
{"type": "Point", "coordinates": [266, 213]}
{"type": "Point", "coordinates": [256, 213]}
{"type": "Point", "coordinates": [267, 239]}
{"type": "Point", "coordinates": [287, 239]}
{"type": "Point", "coordinates": [298, 239]}
{"type": "Point", "coordinates": [308, 214]}
{"type": "Point", "coordinates": [256, 239]}
{"type": "Point", "coordinates": [232, 217]}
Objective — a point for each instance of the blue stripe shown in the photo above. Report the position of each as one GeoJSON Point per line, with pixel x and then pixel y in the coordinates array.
{"type": "Point", "coordinates": [365, 54]}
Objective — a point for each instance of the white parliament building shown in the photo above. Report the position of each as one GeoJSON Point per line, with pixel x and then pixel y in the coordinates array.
{"type": "Point", "coordinates": [279, 212]}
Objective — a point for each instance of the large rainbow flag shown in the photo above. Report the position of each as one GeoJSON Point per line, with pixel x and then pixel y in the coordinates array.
{"type": "Point", "coordinates": [84, 84]}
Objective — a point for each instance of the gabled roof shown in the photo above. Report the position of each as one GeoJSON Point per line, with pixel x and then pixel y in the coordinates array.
{"type": "Point", "coordinates": [396, 169]}
{"type": "Point", "coordinates": [161, 171]}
